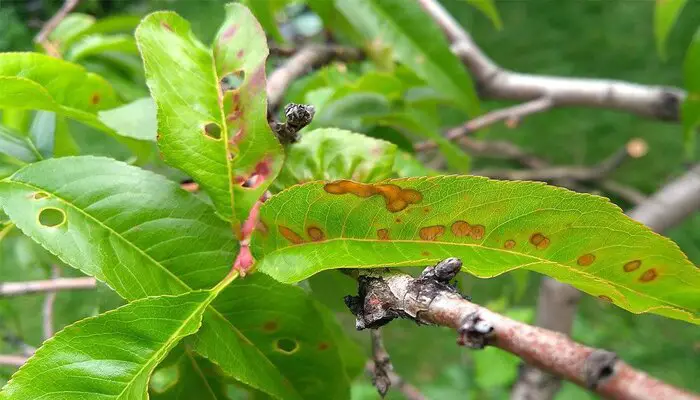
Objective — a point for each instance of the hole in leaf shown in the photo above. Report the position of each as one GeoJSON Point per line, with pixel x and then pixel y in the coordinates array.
{"type": "Point", "coordinates": [40, 195]}
{"type": "Point", "coordinates": [212, 130]}
{"type": "Point", "coordinates": [232, 81]}
{"type": "Point", "coordinates": [287, 346]}
{"type": "Point", "coordinates": [51, 217]}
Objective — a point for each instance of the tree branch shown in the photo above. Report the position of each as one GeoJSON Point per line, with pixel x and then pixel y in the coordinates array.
{"type": "Point", "coordinates": [494, 82]}
{"type": "Point", "coordinates": [382, 363]}
{"type": "Point", "coordinates": [409, 391]}
{"type": "Point", "coordinates": [21, 288]}
{"type": "Point", "coordinates": [307, 58]}
{"type": "Point", "coordinates": [47, 308]}
{"type": "Point", "coordinates": [429, 299]}
{"type": "Point", "coordinates": [12, 360]}
{"type": "Point", "coordinates": [42, 37]}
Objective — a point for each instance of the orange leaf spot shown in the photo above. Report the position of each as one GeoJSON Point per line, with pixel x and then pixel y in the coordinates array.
{"type": "Point", "coordinates": [632, 265]}
{"type": "Point", "coordinates": [461, 228]}
{"type": "Point", "coordinates": [586, 260]}
{"type": "Point", "coordinates": [648, 275]}
{"type": "Point", "coordinates": [539, 240]}
{"type": "Point", "coordinates": [396, 198]}
{"type": "Point", "coordinates": [315, 234]}
{"type": "Point", "coordinates": [270, 326]}
{"type": "Point", "coordinates": [95, 99]}
{"type": "Point", "coordinates": [605, 298]}
{"type": "Point", "coordinates": [478, 231]}
{"type": "Point", "coordinates": [290, 235]}
{"type": "Point", "coordinates": [509, 244]}
{"type": "Point", "coordinates": [426, 210]}
{"type": "Point", "coordinates": [398, 220]}
{"type": "Point", "coordinates": [323, 346]}
{"type": "Point", "coordinates": [166, 26]}
{"type": "Point", "coordinates": [383, 234]}
{"type": "Point", "coordinates": [431, 232]}
{"type": "Point", "coordinates": [425, 253]}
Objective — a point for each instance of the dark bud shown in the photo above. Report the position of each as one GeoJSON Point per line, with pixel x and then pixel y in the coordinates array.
{"type": "Point", "coordinates": [298, 116]}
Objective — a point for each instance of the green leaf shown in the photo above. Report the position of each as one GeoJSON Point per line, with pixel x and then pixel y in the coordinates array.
{"type": "Point", "coordinates": [112, 355]}
{"type": "Point", "coordinates": [336, 154]}
{"type": "Point", "coordinates": [65, 84]}
{"type": "Point", "coordinates": [265, 13]}
{"type": "Point", "coordinates": [493, 226]}
{"type": "Point", "coordinates": [221, 138]}
{"type": "Point", "coordinates": [327, 10]}
{"type": "Point", "coordinates": [351, 111]}
{"type": "Point", "coordinates": [136, 119]}
{"type": "Point", "coordinates": [18, 147]}
{"type": "Point", "coordinates": [70, 29]}
{"type": "Point", "coordinates": [195, 378]}
{"type": "Point", "coordinates": [488, 7]}
{"type": "Point", "coordinates": [41, 132]}
{"type": "Point", "coordinates": [144, 236]}
{"type": "Point", "coordinates": [690, 110]}
{"type": "Point", "coordinates": [96, 44]}
{"type": "Point", "coordinates": [406, 165]}
{"type": "Point", "coordinates": [424, 50]}
{"type": "Point", "coordinates": [666, 13]}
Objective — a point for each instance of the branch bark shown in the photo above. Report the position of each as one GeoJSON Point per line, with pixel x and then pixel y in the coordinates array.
{"type": "Point", "coordinates": [409, 391]}
{"type": "Point", "coordinates": [21, 288]}
{"type": "Point", "coordinates": [42, 38]}
{"type": "Point", "coordinates": [12, 360]}
{"type": "Point", "coordinates": [495, 82]}
{"type": "Point", "coordinates": [47, 308]}
{"type": "Point", "coordinates": [429, 299]}
{"type": "Point", "coordinates": [307, 58]}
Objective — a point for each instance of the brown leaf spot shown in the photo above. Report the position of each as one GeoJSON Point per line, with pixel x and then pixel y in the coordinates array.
{"type": "Point", "coordinates": [586, 260]}
{"type": "Point", "coordinates": [383, 234]}
{"type": "Point", "coordinates": [539, 241]}
{"type": "Point", "coordinates": [478, 231]}
{"type": "Point", "coordinates": [240, 53]}
{"type": "Point", "coordinates": [166, 26]}
{"type": "Point", "coordinates": [323, 346]}
{"type": "Point", "coordinates": [40, 195]}
{"type": "Point", "coordinates": [425, 254]}
{"type": "Point", "coordinates": [290, 235]}
{"type": "Point", "coordinates": [632, 266]}
{"type": "Point", "coordinates": [509, 244]}
{"type": "Point", "coordinates": [229, 32]}
{"type": "Point", "coordinates": [270, 326]}
{"type": "Point", "coordinates": [398, 220]}
{"type": "Point", "coordinates": [316, 234]}
{"type": "Point", "coordinates": [95, 98]}
{"type": "Point", "coordinates": [426, 210]}
{"type": "Point", "coordinates": [648, 275]}
{"type": "Point", "coordinates": [605, 298]}
{"type": "Point", "coordinates": [396, 198]}
{"type": "Point", "coordinates": [461, 228]}
{"type": "Point", "coordinates": [431, 232]}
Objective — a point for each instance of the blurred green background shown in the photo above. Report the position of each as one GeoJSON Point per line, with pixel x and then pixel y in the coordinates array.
{"type": "Point", "coordinates": [598, 38]}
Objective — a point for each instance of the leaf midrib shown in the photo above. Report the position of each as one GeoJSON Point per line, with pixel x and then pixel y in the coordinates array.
{"type": "Point", "coordinates": [216, 312]}
{"type": "Point", "coordinates": [535, 258]}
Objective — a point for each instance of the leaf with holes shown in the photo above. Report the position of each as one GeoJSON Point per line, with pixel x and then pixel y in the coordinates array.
{"type": "Point", "coordinates": [425, 51]}
{"type": "Point", "coordinates": [690, 111]}
{"type": "Point", "coordinates": [493, 226]}
{"type": "Point", "coordinates": [666, 13]}
{"type": "Point", "coordinates": [212, 121]}
{"type": "Point", "coordinates": [336, 154]}
{"type": "Point", "coordinates": [145, 236]}
{"type": "Point", "coordinates": [110, 356]}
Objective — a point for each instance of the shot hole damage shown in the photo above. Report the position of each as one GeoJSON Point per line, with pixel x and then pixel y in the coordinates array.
{"type": "Point", "coordinates": [315, 233]}
{"type": "Point", "coordinates": [232, 81]}
{"type": "Point", "coordinates": [51, 217]}
{"type": "Point", "coordinates": [286, 346]}
{"type": "Point", "coordinates": [395, 197]}
{"type": "Point", "coordinates": [509, 244]}
{"type": "Point", "coordinates": [212, 130]}
{"type": "Point", "coordinates": [40, 195]}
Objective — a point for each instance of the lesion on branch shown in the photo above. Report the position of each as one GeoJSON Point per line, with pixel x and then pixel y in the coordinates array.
{"type": "Point", "coordinates": [430, 299]}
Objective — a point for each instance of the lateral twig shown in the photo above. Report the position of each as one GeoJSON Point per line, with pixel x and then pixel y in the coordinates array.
{"type": "Point", "coordinates": [409, 391]}
{"type": "Point", "coordinates": [12, 360]}
{"type": "Point", "coordinates": [47, 308]}
{"type": "Point", "coordinates": [29, 287]}
{"type": "Point", "coordinates": [42, 37]}
{"type": "Point", "coordinates": [382, 363]}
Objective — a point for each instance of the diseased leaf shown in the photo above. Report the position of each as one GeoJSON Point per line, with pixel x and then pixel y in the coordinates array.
{"type": "Point", "coordinates": [145, 236]}
{"type": "Point", "coordinates": [493, 226]}
{"type": "Point", "coordinates": [690, 110]}
{"type": "Point", "coordinates": [488, 7]}
{"type": "Point", "coordinates": [336, 154]}
{"type": "Point", "coordinates": [212, 121]}
{"type": "Point", "coordinates": [112, 355]}
{"type": "Point", "coordinates": [666, 13]}
{"type": "Point", "coordinates": [424, 50]}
